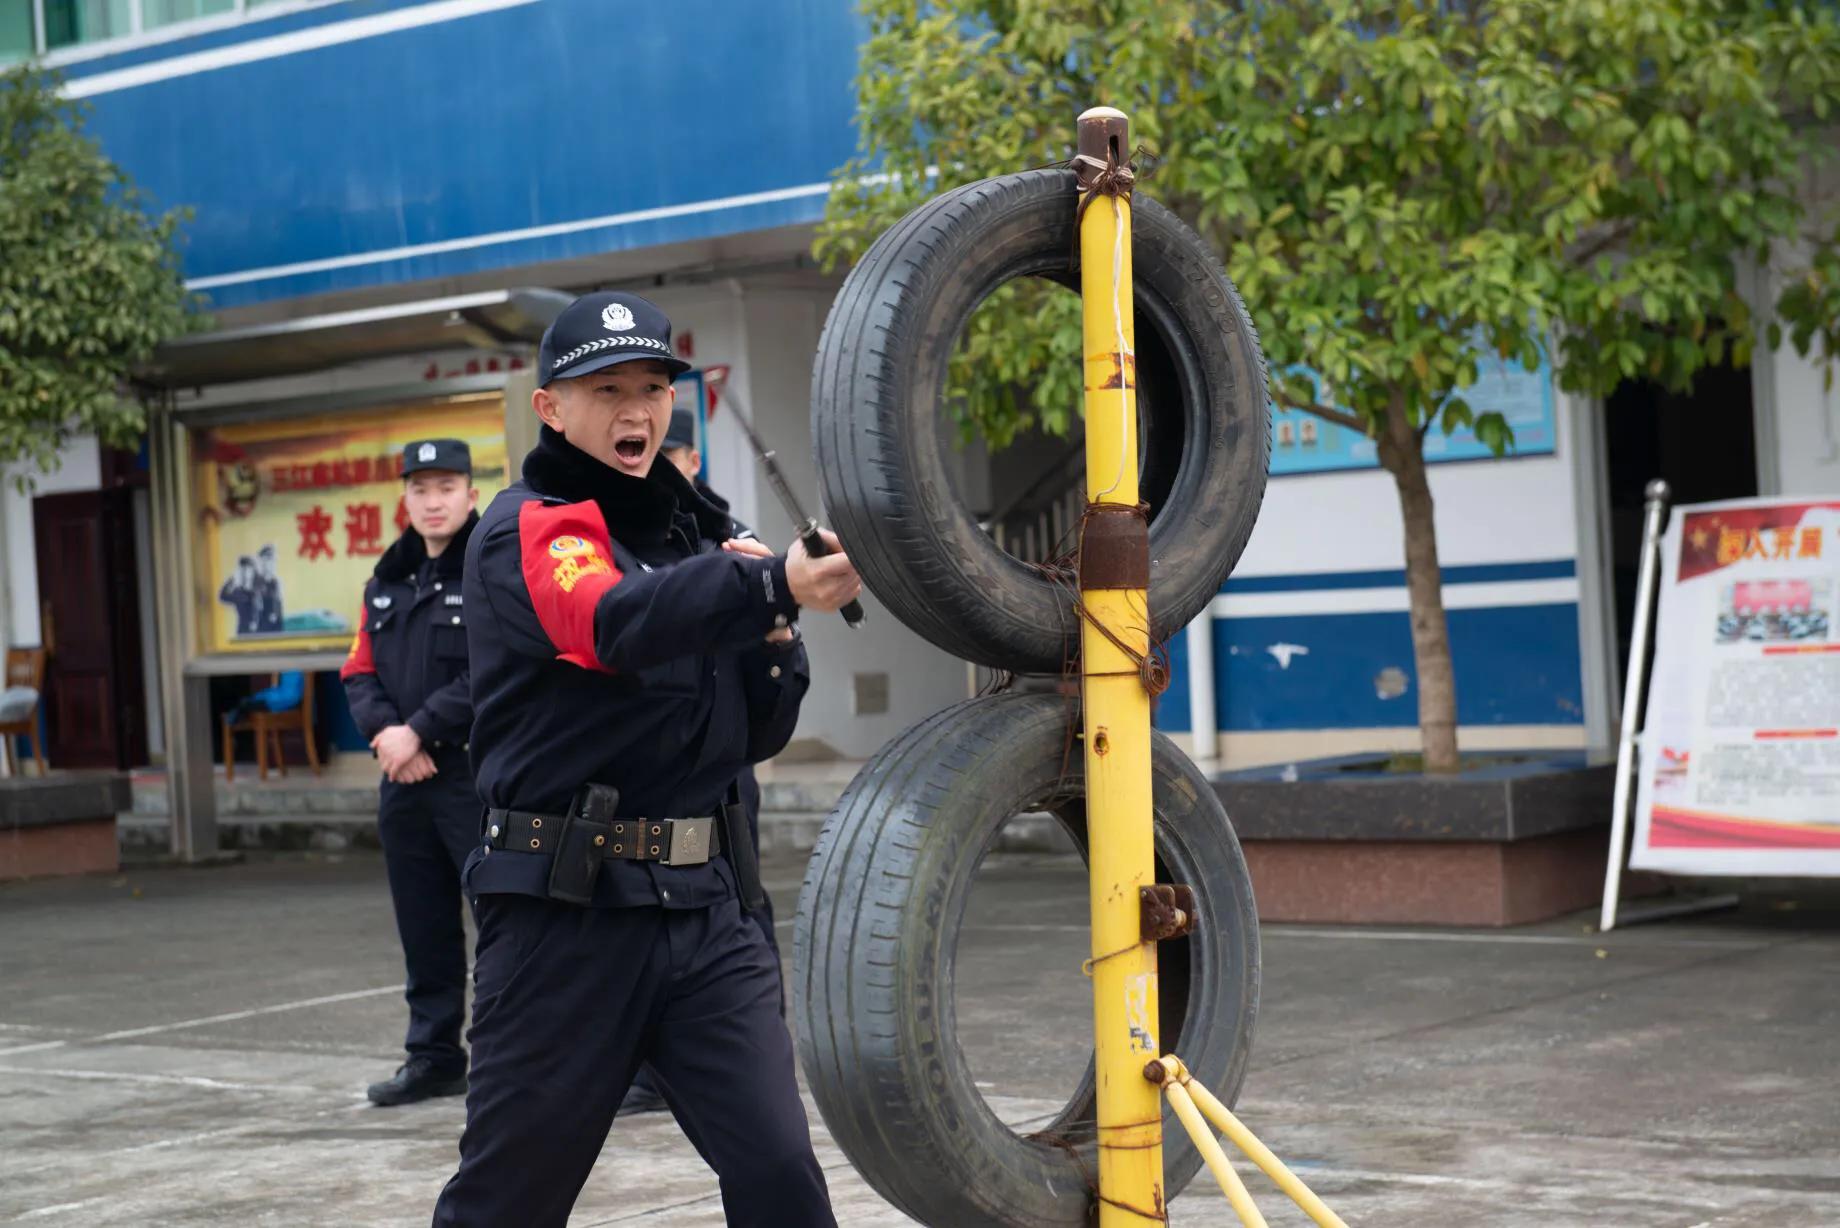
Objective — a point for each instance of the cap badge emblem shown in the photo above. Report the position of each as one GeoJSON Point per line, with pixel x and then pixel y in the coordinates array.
{"type": "Point", "coordinates": [618, 317]}
{"type": "Point", "coordinates": [425, 452]}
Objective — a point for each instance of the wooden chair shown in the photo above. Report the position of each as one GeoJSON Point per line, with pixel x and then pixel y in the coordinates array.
{"type": "Point", "coordinates": [268, 728]}
{"type": "Point", "coordinates": [25, 667]}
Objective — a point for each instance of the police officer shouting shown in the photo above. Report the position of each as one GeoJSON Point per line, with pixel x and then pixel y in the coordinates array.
{"type": "Point", "coordinates": [629, 660]}
{"type": "Point", "coordinates": [406, 680]}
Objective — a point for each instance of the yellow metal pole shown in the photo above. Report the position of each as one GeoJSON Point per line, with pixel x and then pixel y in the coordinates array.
{"type": "Point", "coordinates": [1209, 1147]}
{"type": "Point", "coordinates": [1114, 572]}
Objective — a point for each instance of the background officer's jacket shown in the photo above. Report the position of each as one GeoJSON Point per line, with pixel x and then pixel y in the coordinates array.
{"type": "Point", "coordinates": [612, 640]}
{"type": "Point", "coordinates": [408, 661]}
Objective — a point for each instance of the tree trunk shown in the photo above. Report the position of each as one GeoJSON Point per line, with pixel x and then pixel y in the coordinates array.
{"type": "Point", "coordinates": [1402, 453]}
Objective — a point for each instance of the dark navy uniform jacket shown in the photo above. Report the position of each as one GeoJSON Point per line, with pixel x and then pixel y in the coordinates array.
{"type": "Point", "coordinates": [612, 640]}
{"type": "Point", "coordinates": [408, 660]}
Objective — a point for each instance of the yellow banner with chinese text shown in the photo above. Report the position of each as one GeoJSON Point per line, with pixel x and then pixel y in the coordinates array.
{"type": "Point", "coordinates": [293, 515]}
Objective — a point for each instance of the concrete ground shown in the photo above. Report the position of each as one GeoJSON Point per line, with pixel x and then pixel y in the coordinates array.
{"type": "Point", "coordinates": [189, 1046]}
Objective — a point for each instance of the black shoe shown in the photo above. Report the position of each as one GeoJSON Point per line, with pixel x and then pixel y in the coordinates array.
{"type": "Point", "coordinates": [417, 1079]}
{"type": "Point", "coordinates": [641, 1099]}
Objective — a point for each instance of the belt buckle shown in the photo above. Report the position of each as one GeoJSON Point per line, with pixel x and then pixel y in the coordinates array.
{"type": "Point", "coordinates": [689, 842]}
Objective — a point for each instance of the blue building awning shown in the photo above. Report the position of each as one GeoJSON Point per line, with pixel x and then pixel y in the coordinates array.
{"type": "Point", "coordinates": [375, 142]}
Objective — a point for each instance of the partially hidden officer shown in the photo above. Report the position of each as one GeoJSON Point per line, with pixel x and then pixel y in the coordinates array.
{"type": "Point", "coordinates": [406, 681]}
{"type": "Point", "coordinates": [681, 451]}
{"type": "Point", "coordinates": [629, 659]}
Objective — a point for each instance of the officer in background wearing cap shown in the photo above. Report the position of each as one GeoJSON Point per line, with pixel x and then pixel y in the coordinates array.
{"type": "Point", "coordinates": [681, 450]}
{"type": "Point", "coordinates": [406, 681]}
{"type": "Point", "coordinates": [629, 660]}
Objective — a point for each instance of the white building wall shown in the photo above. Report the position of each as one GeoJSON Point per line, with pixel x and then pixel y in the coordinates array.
{"type": "Point", "coordinates": [1488, 511]}
{"type": "Point", "coordinates": [1799, 427]}
{"type": "Point", "coordinates": [782, 339]}
{"type": "Point", "coordinates": [79, 468]}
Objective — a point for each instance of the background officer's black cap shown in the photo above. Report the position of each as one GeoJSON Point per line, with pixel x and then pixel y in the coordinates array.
{"type": "Point", "coordinates": [451, 455]}
{"type": "Point", "coordinates": [683, 430]}
{"type": "Point", "coordinates": [601, 329]}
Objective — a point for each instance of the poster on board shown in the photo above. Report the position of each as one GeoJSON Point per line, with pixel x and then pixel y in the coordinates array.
{"type": "Point", "coordinates": [1740, 753]}
{"type": "Point", "coordinates": [294, 513]}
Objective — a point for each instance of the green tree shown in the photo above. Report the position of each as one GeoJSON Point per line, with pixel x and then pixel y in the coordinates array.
{"type": "Point", "coordinates": [89, 281]}
{"type": "Point", "coordinates": [1402, 191]}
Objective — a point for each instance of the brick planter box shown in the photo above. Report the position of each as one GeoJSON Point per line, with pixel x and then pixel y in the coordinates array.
{"type": "Point", "coordinates": [1514, 838]}
{"type": "Point", "coordinates": [60, 824]}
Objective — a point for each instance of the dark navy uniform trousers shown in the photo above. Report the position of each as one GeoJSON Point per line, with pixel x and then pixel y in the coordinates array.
{"type": "Point", "coordinates": [569, 1001]}
{"type": "Point", "coordinates": [427, 830]}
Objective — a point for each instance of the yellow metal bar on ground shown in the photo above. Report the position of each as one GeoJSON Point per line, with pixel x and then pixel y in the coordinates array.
{"type": "Point", "coordinates": [1258, 1152]}
{"type": "Point", "coordinates": [1117, 718]}
{"type": "Point", "coordinates": [1216, 1159]}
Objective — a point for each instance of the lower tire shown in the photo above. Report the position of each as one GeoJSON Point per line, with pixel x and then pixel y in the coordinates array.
{"type": "Point", "coordinates": [876, 940]}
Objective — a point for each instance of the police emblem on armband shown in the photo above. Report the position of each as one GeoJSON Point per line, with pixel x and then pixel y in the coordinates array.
{"type": "Point", "coordinates": [617, 317]}
{"type": "Point", "coordinates": [578, 559]}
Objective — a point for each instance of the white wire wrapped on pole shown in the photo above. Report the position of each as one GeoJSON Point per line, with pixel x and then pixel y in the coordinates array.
{"type": "Point", "coordinates": [1635, 676]}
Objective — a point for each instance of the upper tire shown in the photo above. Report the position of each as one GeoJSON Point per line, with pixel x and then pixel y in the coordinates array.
{"type": "Point", "coordinates": [878, 395]}
{"type": "Point", "coordinates": [876, 945]}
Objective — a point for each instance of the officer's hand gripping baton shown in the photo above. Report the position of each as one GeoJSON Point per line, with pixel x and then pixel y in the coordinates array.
{"type": "Point", "coordinates": [807, 527]}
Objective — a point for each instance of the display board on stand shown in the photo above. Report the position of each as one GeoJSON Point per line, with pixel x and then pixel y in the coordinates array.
{"type": "Point", "coordinates": [1735, 766]}
{"type": "Point", "coordinates": [1740, 763]}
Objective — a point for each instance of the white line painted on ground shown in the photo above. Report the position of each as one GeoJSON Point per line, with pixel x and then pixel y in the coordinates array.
{"type": "Point", "coordinates": [1331, 1173]}
{"type": "Point", "coordinates": [1542, 940]}
{"type": "Point", "coordinates": [229, 1017]}
{"type": "Point", "coordinates": [120, 1076]}
{"type": "Point", "coordinates": [57, 1209]}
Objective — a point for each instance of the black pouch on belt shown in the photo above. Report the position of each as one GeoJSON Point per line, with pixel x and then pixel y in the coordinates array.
{"type": "Point", "coordinates": [582, 844]}
{"type": "Point", "coordinates": [738, 843]}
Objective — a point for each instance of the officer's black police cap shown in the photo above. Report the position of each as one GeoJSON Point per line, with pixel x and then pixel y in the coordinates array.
{"type": "Point", "coordinates": [599, 330]}
{"type": "Point", "coordinates": [449, 455]}
{"type": "Point", "coordinates": [683, 430]}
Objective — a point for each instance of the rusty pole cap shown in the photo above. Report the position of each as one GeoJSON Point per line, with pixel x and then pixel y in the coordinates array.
{"type": "Point", "coordinates": [1103, 131]}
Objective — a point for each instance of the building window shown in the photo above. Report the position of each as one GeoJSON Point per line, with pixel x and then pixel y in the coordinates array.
{"type": "Point", "coordinates": [38, 27]}
{"type": "Point", "coordinates": [68, 22]}
{"type": "Point", "coordinates": [156, 13]}
{"type": "Point", "coordinates": [18, 36]}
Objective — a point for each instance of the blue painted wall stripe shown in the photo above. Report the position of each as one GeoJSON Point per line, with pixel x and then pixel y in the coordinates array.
{"type": "Point", "coordinates": [1515, 665]}
{"type": "Point", "coordinates": [1478, 573]}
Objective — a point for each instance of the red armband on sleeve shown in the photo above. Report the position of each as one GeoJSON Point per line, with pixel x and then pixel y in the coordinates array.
{"type": "Point", "coordinates": [359, 660]}
{"type": "Point", "coordinates": [567, 555]}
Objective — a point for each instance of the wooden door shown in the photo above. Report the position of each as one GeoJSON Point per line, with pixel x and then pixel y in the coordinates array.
{"type": "Point", "coordinates": [89, 621]}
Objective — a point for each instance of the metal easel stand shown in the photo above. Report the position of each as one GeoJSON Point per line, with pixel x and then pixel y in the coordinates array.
{"type": "Point", "coordinates": [1195, 1106]}
{"type": "Point", "coordinates": [1629, 744]}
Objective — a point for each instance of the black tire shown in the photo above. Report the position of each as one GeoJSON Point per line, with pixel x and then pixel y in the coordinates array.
{"type": "Point", "coordinates": [876, 944]}
{"type": "Point", "coordinates": [877, 397]}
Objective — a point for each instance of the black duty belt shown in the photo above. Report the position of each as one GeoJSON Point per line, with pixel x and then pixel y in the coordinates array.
{"type": "Point", "coordinates": [670, 842]}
